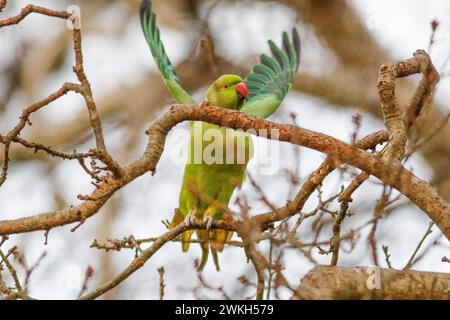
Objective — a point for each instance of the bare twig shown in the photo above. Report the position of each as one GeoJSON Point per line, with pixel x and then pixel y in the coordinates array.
{"type": "Point", "coordinates": [87, 276]}
{"type": "Point", "coordinates": [387, 256]}
{"type": "Point", "coordinates": [11, 270]}
{"type": "Point", "coordinates": [29, 9]}
{"type": "Point", "coordinates": [336, 239]}
{"type": "Point", "coordinates": [161, 283]}
{"type": "Point", "coordinates": [86, 91]}
{"type": "Point", "coordinates": [24, 120]}
{"type": "Point", "coordinates": [139, 261]}
{"type": "Point", "coordinates": [64, 155]}
{"type": "Point", "coordinates": [409, 264]}
{"type": "Point", "coordinates": [395, 124]}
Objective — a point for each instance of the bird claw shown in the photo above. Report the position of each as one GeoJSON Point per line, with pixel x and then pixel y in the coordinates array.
{"type": "Point", "coordinates": [190, 219]}
{"type": "Point", "coordinates": [208, 220]}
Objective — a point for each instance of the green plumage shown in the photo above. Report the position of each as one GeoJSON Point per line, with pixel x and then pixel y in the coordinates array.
{"type": "Point", "coordinates": [218, 157]}
{"type": "Point", "coordinates": [165, 67]}
{"type": "Point", "coordinates": [209, 172]}
{"type": "Point", "coordinates": [270, 81]}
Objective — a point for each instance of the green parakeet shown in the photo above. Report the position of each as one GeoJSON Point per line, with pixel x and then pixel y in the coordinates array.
{"type": "Point", "coordinates": [212, 174]}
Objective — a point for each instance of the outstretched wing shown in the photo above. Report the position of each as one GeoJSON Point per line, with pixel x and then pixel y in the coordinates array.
{"type": "Point", "coordinates": [151, 32]}
{"type": "Point", "coordinates": [269, 82]}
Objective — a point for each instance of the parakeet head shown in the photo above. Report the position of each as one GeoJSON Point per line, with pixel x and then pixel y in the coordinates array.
{"type": "Point", "coordinates": [229, 91]}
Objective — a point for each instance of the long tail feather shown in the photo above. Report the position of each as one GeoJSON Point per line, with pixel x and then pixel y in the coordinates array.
{"type": "Point", "coordinates": [205, 253]}
{"type": "Point", "coordinates": [203, 235]}
{"type": "Point", "coordinates": [215, 258]}
{"type": "Point", "coordinates": [186, 240]}
{"type": "Point", "coordinates": [221, 237]}
{"type": "Point", "coordinates": [186, 236]}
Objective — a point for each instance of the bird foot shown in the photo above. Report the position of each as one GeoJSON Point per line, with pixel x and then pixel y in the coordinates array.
{"type": "Point", "coordinates": [190, 219]}
{"type": "Point", "coordinates": [208, 220]}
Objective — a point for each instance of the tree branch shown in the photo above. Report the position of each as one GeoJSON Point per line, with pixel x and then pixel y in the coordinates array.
{"type": "Point", "coordinates": [148, 253]}
{"type": "Point", "coordinates": [32, 8]}
{"type": "Point", "coordinates": [326, 283]}
{"type": "Point", "coordinates": [417, 190]}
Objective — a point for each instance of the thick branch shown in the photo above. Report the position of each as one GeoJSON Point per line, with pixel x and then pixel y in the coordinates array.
{"type": "Point", "coordinates": [396, 125]}
{"type": "Point", "coordinates": [334, 283]}
{"type": "Point", "coordinates": [341, 29]}
{"type": "Point", "coordinates": [418, 191]}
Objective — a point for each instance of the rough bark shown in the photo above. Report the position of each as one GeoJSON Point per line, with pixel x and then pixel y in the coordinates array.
{"type": "Point", "coordinates": [337, 283]}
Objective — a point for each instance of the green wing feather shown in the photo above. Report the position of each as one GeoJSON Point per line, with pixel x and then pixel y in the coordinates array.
{"type": "Point", "coordinates": [165, 67]}
{"type": "Point", "coordinates": [269, 82]}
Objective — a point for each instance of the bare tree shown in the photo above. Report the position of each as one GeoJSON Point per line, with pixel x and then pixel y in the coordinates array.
{"type": "Point", "coordinates": [413, 123]}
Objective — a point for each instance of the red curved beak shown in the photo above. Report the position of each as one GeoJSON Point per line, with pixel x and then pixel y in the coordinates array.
{"type": "Point", "coordinates": [242, 89]}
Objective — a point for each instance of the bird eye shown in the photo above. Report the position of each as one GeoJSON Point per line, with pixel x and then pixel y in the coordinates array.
{"type": "Point", "coordinates": [225, 86]}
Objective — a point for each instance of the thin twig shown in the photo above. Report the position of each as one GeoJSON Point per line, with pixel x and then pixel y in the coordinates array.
{"type": "Point", "coordinates": [29, 9]}
{"type": "Point", "coordinates": [409, 264]}
{"type": "Point", "coordinates": [12, 271]}
{"type": "Point", "coordinates": [139, 261]}
{"type": "Point", "coordinates": [161, 283]}
{"type": "Point", "coordinates": [387, 256]}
